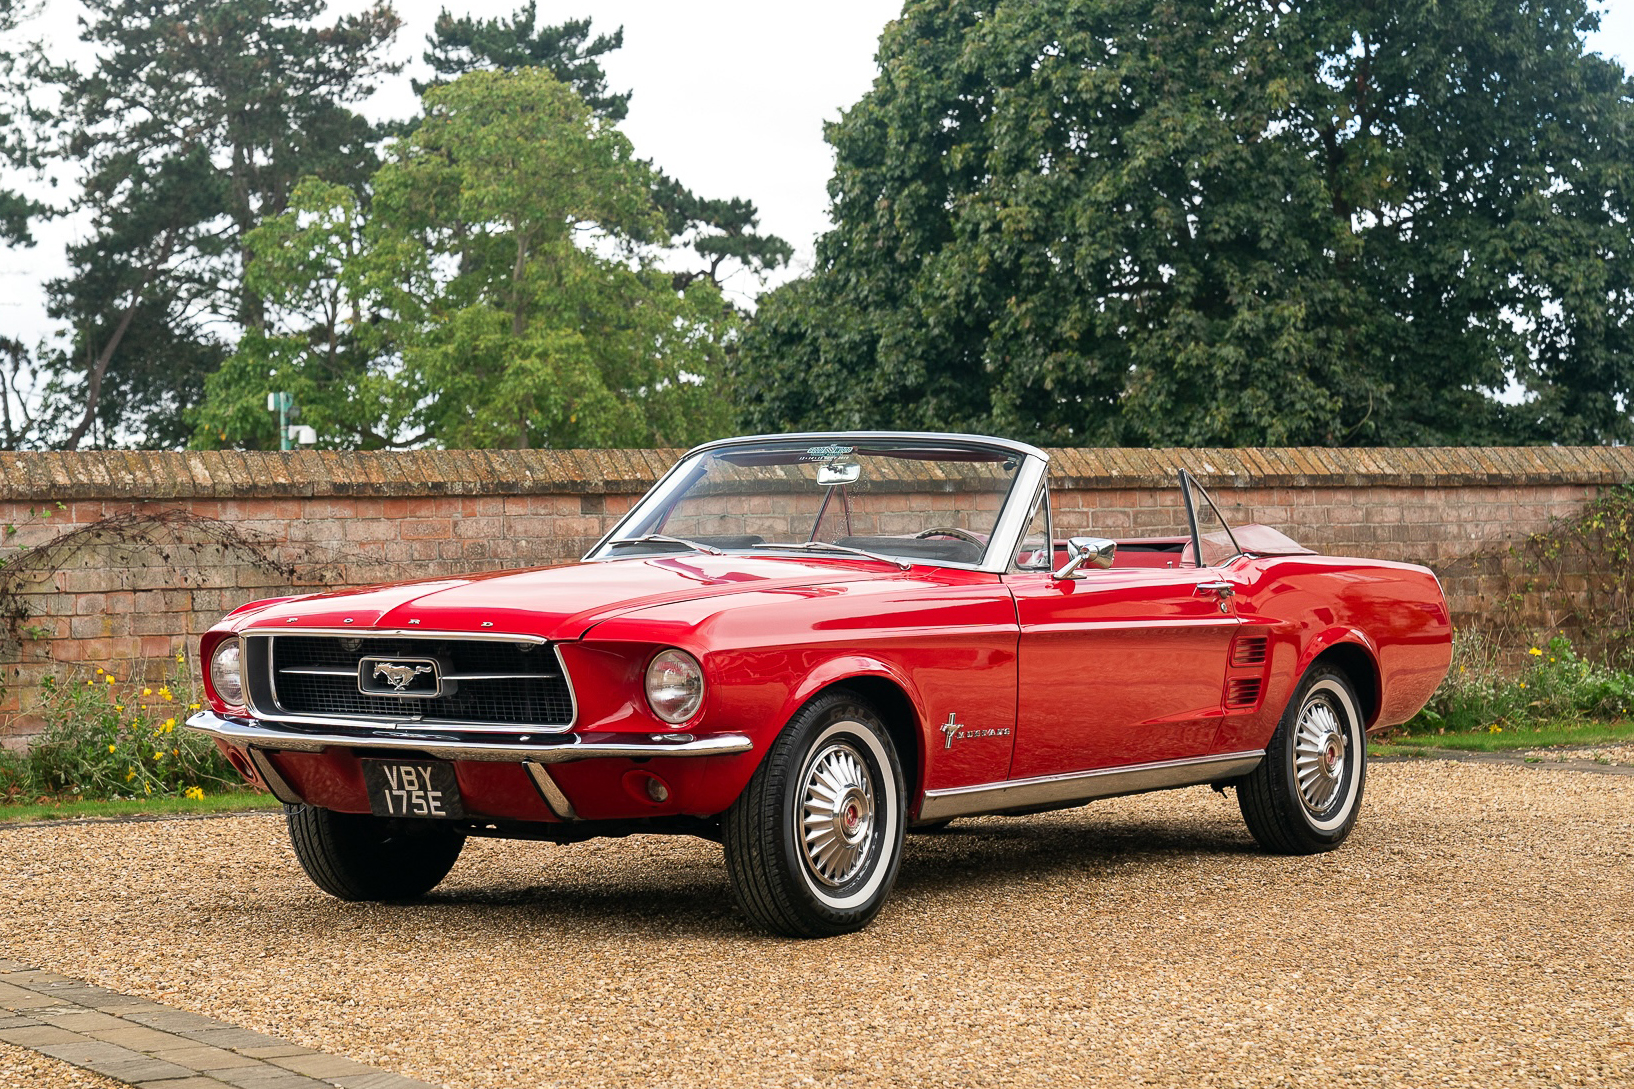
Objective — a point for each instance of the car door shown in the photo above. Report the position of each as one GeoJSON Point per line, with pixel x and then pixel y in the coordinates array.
{"type": "Point", "coordinates": [1122, 666]}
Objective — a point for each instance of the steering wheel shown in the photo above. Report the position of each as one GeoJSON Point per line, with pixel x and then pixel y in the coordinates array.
{"type": "Point", "coordinates": [945, 531]}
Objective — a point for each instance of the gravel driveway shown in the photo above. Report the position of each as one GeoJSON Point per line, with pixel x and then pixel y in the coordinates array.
{"type": "Point", "coordinates": [1476, 930]}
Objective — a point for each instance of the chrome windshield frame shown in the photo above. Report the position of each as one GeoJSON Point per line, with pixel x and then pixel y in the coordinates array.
{"type": "Point", "coordinates": [1001, 544]}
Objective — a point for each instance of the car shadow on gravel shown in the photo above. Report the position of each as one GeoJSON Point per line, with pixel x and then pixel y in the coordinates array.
{"type": "Point", "coordinates": [993, 851]}
{"type": "Point", "coordinates": [680, 889]}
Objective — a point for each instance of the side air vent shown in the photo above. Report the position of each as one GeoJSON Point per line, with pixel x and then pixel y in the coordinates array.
{"type": "Point", "coordinates": [1243, 691]}
{"type": "Point", "coordinates": [1249, 650]}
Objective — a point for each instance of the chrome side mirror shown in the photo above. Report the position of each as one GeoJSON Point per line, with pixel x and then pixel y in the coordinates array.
{"type": "Point", "coordinates": [1087, 550]}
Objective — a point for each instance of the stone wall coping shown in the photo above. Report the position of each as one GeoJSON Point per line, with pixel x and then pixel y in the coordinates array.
{"type": "Point", "coordinates": [231, 474]}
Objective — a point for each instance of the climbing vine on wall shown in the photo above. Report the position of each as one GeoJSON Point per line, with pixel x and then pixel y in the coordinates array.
{"type": "Point", "coordinates": [173, 538]}
{"type": "Point", "coordinates": [1576, 576]}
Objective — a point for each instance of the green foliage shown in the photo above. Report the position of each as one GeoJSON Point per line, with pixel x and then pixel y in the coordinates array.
{"type": "Point", "coordinates": [497, 292]}
{"type": "Point", "coordinates": [107, 739]}
{"type": "Point", "coordinates": [1174, 222]}
{"type": "Point", "coordinates": [1556, 686]}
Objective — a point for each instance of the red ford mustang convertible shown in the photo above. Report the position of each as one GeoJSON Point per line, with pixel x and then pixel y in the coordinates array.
{"type": "Point", "coordinates": [805, 646]}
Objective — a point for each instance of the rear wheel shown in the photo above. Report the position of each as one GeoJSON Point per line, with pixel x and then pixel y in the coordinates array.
{"type": "Point", "coordinates": [1304, 796]}
{"type": "Point", "coordinates": [360, 857]}
{"type": "Point", "coordinates": [814, 842]}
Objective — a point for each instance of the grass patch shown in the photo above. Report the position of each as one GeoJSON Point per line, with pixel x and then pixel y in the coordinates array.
{"type": "Point", "coordinates": [1507, 738]}
{"type": "Point", "coordinates": [158, 806]}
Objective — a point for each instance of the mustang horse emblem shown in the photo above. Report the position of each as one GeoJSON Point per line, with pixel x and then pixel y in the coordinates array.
{"type": "Point", "coordinates": [399, 676]}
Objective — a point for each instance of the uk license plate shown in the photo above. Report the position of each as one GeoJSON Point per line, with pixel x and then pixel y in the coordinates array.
{"type": "Point", "coordinates": [412, 788]}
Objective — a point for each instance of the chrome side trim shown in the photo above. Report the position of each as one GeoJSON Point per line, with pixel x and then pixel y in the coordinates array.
{"type": "Point", "coordinates": [276, 783]}
{"type": "Point", "coordinates": [250, 734]}
{"type": "Point", "coordinates": [277, 713]}
{"type": "Point", "coordinates": [549, 791]}
{"type": "Point", "coordinates": [1083, 786]}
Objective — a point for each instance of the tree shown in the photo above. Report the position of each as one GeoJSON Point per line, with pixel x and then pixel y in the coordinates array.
{"type": "Point", "coordinates": [15, 209]}
{"type": "Point", "coordinates": [195, 122]}
{"type": "Point", "coordinates": [565, 50]}
{"type": "Point", "coordinates": [498, 291]}
{"type": "Point", "coordinates": [721, 232]}
{"type": "Point", "coordinates": [1179, 222]}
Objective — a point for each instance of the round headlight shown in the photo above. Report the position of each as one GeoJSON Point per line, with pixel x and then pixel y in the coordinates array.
{"type": "Point", "coordinates": [675, 685]}
{"type": "Point", "coordinates": [227, 671]}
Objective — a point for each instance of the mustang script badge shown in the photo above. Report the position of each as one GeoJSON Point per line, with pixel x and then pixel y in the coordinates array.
{"type": "Point", "coordinates": [953, 728]}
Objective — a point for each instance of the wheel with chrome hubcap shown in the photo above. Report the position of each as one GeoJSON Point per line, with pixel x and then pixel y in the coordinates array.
{"type": "Point", "coordinates": [1304, 797]}
{"type": "Point", "coordinates": [814, 842]}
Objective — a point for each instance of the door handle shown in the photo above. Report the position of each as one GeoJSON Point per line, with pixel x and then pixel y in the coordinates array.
{"type": "Point", "coordinates": [1223, 588]}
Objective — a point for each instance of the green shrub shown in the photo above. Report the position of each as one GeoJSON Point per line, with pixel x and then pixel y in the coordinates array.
{"type": "Point", "coordinates": [107, 739]}
{"type": "Point", "coordinates": [1556, 685]}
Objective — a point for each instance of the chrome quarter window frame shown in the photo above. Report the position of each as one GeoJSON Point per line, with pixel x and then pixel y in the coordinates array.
{"type": "Point", "coordinates": [1001, 543]}
{"type": "Point", "coordinates": [1012, 568]}
{"type": "Point", "coordinates": [409, 722]}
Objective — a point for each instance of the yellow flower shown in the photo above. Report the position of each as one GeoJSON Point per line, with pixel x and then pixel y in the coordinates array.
{"type": "Point", "coordinates": [192, 707]}
{"type": "Point", "coordinates": [181, 657]}
{"type": "Point", "coordinates": [147, 691]}
{"type": "Point", "coordinates": [170, 725]}
{"type": "Point", "coordinates": [1523, 684]}
{"type": "Point", "coordinates": [195, 793]}
{"type": "Point", "coordinates": [158, 755]}
{"type": "Point", "coordinates": [129, 775]}
{"type": "Point", "coordinates": [164, 693]}
{"type": "Point", "coordinates": [110, 678]}
{"type": "Point", "coordinates": [118, 707]}
{"type": "Point", "coordinates": [147, 788]}
{"type": "Point", "coordinates": [175, 752]}
{"type": "Point", "coordinates": [1535, 652]}
{"type": "Point", "coordinates": [87, 682]}
{"type": "Point", "coordinates": [99, 669]}
{"type": "Point", "coordinates": [113, 748]}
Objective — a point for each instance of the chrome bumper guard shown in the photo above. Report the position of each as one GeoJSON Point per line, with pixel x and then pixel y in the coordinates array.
{"type": "Point", "coordinates": [553, 749]}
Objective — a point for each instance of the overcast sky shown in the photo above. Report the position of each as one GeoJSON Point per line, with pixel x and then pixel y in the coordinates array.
{"type": "Point", "coordinates": [730, 97]}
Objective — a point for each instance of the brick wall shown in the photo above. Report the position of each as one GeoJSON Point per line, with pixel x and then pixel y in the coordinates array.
{"type": "Point", "coordinates": [120, 558]}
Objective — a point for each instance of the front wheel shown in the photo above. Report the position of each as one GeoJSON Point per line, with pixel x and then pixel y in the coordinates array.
{"type": "Point", "coordinates": [1304, 796]}
{"type": "Point", "coordinates": [358, 857]}
{"type": "Point", "coordinates": [814, 842]}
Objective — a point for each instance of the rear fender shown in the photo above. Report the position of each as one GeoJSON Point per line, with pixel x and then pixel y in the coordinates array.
{"type": "Point", "coordinates": [1373, 685]}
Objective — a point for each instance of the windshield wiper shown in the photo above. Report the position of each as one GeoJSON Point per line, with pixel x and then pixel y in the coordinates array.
{"type": "Point", "coordinates": [664, 538]}
{"type": "Point", "coordinates": [829, 546]}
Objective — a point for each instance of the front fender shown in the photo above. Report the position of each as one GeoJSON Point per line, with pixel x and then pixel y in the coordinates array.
{"type": "Point", "coordinates": [849, 667]}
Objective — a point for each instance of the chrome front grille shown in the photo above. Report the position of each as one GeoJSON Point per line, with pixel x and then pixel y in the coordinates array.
{"type": "Point", "coordinates": [492, 682]}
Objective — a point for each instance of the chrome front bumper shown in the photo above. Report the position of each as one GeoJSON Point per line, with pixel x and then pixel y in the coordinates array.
{"type": "Point", "coordinates": [551, 749]}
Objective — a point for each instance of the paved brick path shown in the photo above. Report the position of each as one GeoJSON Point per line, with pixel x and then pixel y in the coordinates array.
{"type": "Point", "coordinates": [154, 1046]}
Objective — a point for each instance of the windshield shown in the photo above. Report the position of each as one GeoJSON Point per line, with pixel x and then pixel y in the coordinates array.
{"type": "Point", "coordinates": [930, 501]}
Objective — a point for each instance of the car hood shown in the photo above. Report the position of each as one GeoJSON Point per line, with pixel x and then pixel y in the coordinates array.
{"type": "Point", "coordinates": [555, 603]}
